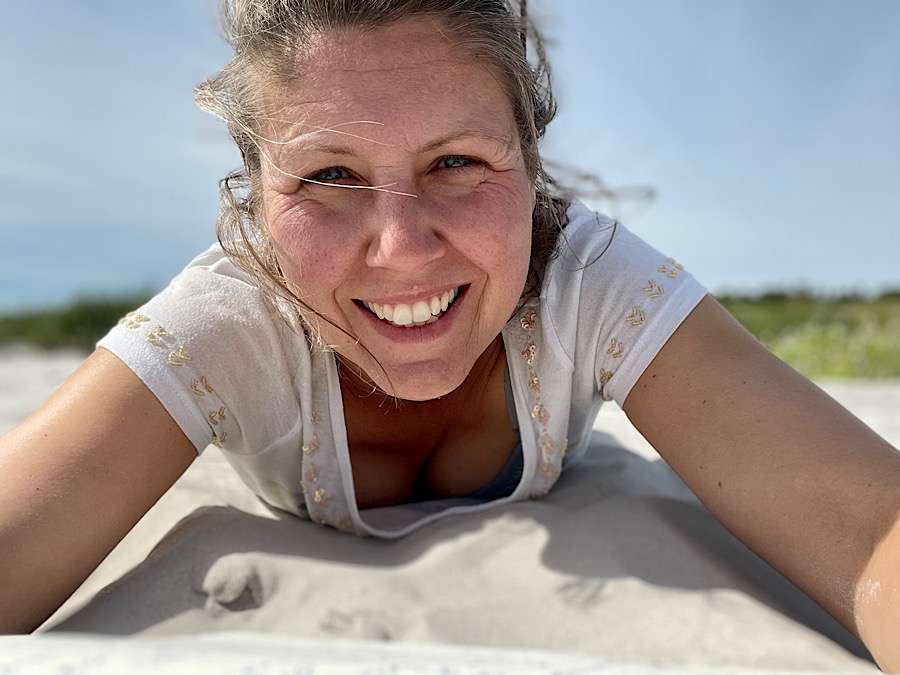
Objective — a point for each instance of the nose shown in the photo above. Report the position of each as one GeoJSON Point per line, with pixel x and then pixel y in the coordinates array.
{"type": "Point", "coordinates": [404, 238]}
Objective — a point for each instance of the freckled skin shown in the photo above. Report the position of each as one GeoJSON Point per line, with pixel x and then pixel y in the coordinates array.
{"type": "Point", "coordinates": [466, 225]}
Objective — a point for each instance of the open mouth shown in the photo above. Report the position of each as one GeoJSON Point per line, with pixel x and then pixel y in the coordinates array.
{"type": "Point", "coordinates": [414, 315]}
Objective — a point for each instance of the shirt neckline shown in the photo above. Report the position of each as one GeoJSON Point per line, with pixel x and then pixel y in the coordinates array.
{"type": "Point", "coordinates": [344, 466]}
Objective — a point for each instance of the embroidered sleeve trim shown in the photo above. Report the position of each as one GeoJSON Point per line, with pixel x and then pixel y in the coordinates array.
{"type": "Point", "coordinates": [165, 364]}
{"type": "Point", "coordinates": [679, 299]}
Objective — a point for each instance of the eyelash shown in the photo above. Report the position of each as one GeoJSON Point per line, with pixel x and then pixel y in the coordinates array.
{"type": "Point", "coordinates": [471, 162]}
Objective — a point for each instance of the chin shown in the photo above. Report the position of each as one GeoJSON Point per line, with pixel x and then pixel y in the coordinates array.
{"type": "Point", "coordinates": [420, 390]}
{"type": "Point", "coordinates": [421, 396]}
{"type": "Point", "coordinates": [424, 383]}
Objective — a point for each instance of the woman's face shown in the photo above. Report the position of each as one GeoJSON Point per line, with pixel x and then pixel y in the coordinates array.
{"type": "Point", "coordinates": [405, 108]}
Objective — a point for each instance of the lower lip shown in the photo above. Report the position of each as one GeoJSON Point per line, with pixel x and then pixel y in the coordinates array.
{"type": "Point", "coordinates": [418, 334]}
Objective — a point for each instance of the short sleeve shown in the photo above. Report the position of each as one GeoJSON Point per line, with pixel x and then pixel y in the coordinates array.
{"type": "Point", "coordinates": [214, 354]}
{"type": "Point", "coordinates": [630, 299]}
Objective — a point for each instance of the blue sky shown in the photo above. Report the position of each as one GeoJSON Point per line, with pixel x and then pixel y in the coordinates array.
{"type": "Point", "coordinates": [770, 132]}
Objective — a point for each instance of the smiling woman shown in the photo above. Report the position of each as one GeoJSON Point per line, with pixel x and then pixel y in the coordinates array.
{"type": "Point", "coordinates": [393, 113]}
{"type": "Point", "coordinates": [393, 235]}
{"type": "Point", "coordinates": [451, 206]}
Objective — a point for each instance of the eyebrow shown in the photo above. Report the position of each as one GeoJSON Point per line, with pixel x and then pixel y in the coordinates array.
{"type": "Point", "coordinates": [330, 147]}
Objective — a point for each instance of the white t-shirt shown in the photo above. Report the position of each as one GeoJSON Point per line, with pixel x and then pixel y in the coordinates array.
{"type": "Point", "coordinates": [233, 374]}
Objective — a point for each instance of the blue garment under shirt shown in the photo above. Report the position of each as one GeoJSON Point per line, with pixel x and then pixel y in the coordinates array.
{"type": "Point", "coordinates": [506, 481]}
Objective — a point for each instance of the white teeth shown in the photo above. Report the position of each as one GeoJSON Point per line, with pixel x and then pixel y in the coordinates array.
{"type": "Point", "coordinates": [376, 309]}
{"type": "Point", "coordinates": [402, 315]}
{"type": "Point", "coordinates": [420, 313]}
{"type": "Point", "coordinates": [431, 319]}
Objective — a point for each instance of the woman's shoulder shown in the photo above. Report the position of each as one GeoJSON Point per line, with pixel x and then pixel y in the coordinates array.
{"type": "Point", "coordinates": [614, 299]}
{"type": "Point", "coordinates": [586, 235]}
{"type": "Point", "coordinates": [597, 252]}
{"type": "Point", "coordinates": [213, 270]}
{"type": "Point", "coordinates": [212, 290]}
{"type": "Point", "coordinates": [211, 336]}
{"type": "Point", "coordinates": [585, 225]}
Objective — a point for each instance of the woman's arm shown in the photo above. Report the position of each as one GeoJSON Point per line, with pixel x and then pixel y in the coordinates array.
{"type": "Point", "coordinates": [789, 471]}
{"type": "Point", "coordinates": [75, 477]}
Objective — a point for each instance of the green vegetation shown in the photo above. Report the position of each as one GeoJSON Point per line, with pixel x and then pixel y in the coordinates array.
{"type": "Point", "coordinates": [78, 325]}
{"type": "Point", "coordinates": [847, 336]}
{"type": "Point", "coordinates": [839, 337]}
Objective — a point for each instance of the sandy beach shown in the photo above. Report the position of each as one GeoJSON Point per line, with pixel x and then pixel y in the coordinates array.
{"type": "Point", "coordinates": [619, 569]}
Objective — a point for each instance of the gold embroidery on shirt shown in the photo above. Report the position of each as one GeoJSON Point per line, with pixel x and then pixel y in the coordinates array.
{"type": "Point", "coordinates": [313, 445]}
{"type": "Point", "coordinates": [604, 376]}
{"type": "Point", "coordinates": [309, 483]}
{"type": "Point", "coordinates": [547, 444]}
{"type": "Point", "coordinates": [549, 470]}
{"type": "Point", "coordinates": [156, 336]}
{"type": "Point", "coordinates": [616, 349]}
{"type": "Point", "coordinates": [312, 474]}
{"type": "Point", "coordinates": [201, 387]}
{"type": "Point", "coordinates": [133, 320]}
{"type": "Point", "coordinates": [653, 289]}
{"type": "Point", "coordinates": [217, 416]}
{"type": "Point", "coordinates": [528, 320]}
{"type": "Point", "coordinates": [178, 358]}
{"type": "Point", "coordinates": [550, 450]}
{"type": "Point", "coordinates": [636, 317]}
{"type": "Point", "coordinates": [540, 413]}
{"type": "Point", "coordinates": [529, 352]}
{"type": "Point", "coordinates": [670, 272]}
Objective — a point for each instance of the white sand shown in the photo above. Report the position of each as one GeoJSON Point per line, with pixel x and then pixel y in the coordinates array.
{"type": "Point", "coordinates": [620, 563]}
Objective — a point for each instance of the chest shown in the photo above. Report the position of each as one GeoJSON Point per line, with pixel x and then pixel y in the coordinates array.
{"type": "Point", "coordinates": [398, 458]}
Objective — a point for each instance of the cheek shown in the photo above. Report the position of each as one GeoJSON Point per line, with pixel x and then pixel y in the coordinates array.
{"type": "Point", "coordinates": [493, 226]}
{"type": "Point", "coordinates": [308, 244]}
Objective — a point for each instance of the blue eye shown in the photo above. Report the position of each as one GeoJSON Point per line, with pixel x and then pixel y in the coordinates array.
{"type": "Point", "coordinates": [456, 162]}
{"type": "Point", "coordinates": [332, 173]}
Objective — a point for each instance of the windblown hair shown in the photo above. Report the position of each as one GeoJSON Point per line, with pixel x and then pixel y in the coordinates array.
{"type": "Point", "coordinates": [268, 35]}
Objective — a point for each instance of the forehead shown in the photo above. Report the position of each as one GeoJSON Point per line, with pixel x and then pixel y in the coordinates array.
{"type": "Point", "coordinates": [402, 83]}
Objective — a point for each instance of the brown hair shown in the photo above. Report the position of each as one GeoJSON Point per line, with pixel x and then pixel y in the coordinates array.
{"type": "Point", "coordinates": [266, 35]}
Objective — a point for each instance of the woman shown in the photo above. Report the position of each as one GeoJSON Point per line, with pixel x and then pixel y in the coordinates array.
{"type": "Point", "coordinates": [402, 322]}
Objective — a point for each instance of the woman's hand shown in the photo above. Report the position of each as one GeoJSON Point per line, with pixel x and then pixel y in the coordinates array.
{"type": "Point", "coordinates": [788, 470]}
{"type": "Point", "coordinates": [75, 477]}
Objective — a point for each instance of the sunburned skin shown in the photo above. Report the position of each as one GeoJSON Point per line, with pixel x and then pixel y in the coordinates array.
{"type": "Point", "coordinates": [405, 111]}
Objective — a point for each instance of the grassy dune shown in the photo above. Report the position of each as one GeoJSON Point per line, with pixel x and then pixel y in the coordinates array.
{"type": "Point", "coordinates": [841, 337]}
{"type": "Point", "coordinates": [78, 325]}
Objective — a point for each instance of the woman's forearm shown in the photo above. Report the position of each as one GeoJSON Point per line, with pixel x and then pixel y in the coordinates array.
{"type": "Point", "coordinates": [877, 603]}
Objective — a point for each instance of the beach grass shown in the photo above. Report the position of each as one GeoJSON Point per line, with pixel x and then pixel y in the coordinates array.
{"type": "Point", "coordinates": [821, 337]}
{"type": "Point", "coordinates": [77, 325]}
{"type": "Point", "coordinates": [841, 337]}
